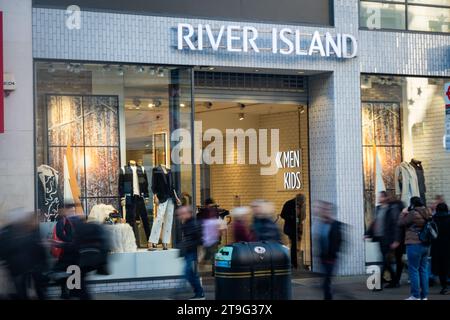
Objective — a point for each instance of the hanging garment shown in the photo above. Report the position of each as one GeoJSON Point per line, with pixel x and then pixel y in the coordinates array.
{"type": "Point", "coordinates": [417, 165]}
{"type": "Point", "coordinates": [163, 184]}
{"type": "Point", "coordinates": [164, 220]}
{"type": "Point", "coordinates": [406, 185]}
{"type": "Point", "coordinates": [122, 238]}
{"type": "Point", "coordinates": [49, 199]}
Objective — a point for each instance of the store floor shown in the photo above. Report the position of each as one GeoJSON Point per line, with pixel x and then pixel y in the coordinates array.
{"type": "Point", "coordinates": [309, 288]}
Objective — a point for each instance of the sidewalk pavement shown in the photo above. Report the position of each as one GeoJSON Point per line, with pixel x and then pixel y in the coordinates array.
{"type": "Point", "coordinates": [345, 288]}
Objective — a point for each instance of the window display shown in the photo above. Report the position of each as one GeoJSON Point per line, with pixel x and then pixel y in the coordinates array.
{"type": "Point", "coordinates": [101, 130]}
{"type": "Point", "coordinates": [403, 125]}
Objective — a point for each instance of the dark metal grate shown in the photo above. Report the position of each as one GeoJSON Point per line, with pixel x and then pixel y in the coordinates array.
{"type": "Point", "coordinates": [228, 80]}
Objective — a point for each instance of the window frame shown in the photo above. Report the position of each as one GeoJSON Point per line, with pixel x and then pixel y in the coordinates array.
{"type": "Point", "coordinates": [405, 3]}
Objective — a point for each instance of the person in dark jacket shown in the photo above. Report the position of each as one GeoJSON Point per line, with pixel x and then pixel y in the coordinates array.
{"type": "Point", "coordinates": [329, 239]}
{"type": "Point", "coordinates": [386, 231]}
{"type": "Point", "coordinates": [263, 226]}
{"type": "Point", "coordinates": [190, 239]}
{"type": "Point", "coordinates": [294, 214]}
{"type": "Point", "coordinates": [23, 253]}
{"type": "Point", "coordinates": [440, 247]}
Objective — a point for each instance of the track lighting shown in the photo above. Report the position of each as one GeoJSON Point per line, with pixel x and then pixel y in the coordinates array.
{"type": "Point", "coordinates": [208, 105]}
{"type": "Point", "coordinates": [160, 72]}
{"type": "Point", "coordinates": [152, 71]}
{"type": "Point", "coordinates": [241, 116]}
{"type": "Point", "coordinates": [140, 69]}
{"type": "Point", "coordinates": [241, 106]}
{"type": "Point", "coordinates": [120, 71]}
{"type": "Point", "coordinates": [106, 68]}
{"type": "Point", "coordinates": [301, 109]}
{"type": "Point", "coordinates": [51, 68]}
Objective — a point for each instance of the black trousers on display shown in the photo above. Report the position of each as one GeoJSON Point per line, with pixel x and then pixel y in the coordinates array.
{"type": "Point", "coordinates": [135, 206]}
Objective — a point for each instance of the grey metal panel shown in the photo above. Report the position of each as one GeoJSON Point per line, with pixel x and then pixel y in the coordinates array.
{"type": "Point", "coordinates": [316, 12]}
{"type": "Point", "coordinates": [246, 96]}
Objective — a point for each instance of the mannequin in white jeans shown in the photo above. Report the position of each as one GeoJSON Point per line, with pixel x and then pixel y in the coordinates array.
{"type": "Point", "coordinates": [165, 197]}
{"type": "Point", "coordinates": [164, 220]}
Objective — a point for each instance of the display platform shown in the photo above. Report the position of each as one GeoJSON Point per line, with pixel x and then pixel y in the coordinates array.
{"type": "Point", "coordinates": [143, 264]}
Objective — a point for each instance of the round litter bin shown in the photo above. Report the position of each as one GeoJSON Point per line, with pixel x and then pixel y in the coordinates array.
{"type": "Point", "coordinates": [253, 271]}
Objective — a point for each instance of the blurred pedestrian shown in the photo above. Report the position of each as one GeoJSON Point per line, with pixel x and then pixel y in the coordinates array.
{"type": "Point", "coordinates": [328, 239]}
{"type": "Point", "coordinates": [263, 227]}
{"type": "Point", "coordinates": [437, 200]}
{"type": "Point", "coordinates": [240, 230]}
{"type": "Point", "coordinates": [386, 231]}
{"type": "Point", "coordinates": [191, 239]}
{"type": "Point", "coordinates": [414, 219]}
{"type": "Point", "coordinates": [212, 227]}
{"type": "Point", "coordinates": [440, 247]}
{"type": "Point", "coordinates": [23, 253]}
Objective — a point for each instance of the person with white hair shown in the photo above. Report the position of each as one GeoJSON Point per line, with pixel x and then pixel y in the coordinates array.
{"type": "Point", "coordinates": [263, 226]}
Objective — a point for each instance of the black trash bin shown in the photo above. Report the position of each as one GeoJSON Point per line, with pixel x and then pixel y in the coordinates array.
{"type": "Point", "coordinates": [253, 271]}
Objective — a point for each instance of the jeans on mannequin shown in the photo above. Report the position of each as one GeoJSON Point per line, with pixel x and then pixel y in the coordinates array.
{"type": "Point", "coordinates": [163, 221]}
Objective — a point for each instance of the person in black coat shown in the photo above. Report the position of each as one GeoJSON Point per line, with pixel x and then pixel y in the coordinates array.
{"type": "Point", "coordinates": [440, 247]}
{"type": "Point", "coordinates": [190, 238]}
{"type": "Point", "coordinates": [386, 231]}
{"type": "Point", "coordinates": [329, 240]}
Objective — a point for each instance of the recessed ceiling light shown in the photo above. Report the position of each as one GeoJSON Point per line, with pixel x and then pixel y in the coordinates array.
{"type": "Point", "coordinates": [182, 105]}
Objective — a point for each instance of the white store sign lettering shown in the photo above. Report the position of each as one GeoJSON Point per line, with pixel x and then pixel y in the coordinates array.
{"type": "Point", "coordinates": [286, 41]}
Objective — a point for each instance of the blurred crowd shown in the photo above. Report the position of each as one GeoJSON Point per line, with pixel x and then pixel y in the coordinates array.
{"type": "Point", "coordinates": [420, 232]}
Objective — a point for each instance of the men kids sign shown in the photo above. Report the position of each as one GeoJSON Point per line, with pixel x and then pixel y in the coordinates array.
{"type": "Point", "coordinates": [285, 41]}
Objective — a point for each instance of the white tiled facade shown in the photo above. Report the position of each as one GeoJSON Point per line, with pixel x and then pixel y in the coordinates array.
{"type": "Point", "coordinates": [334, 96]}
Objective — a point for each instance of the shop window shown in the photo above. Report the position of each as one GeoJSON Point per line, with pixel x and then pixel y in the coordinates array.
{"type": "Point", "coordinates": [403, 121]}
{"type": "Point", "coordinates": [96, 121]}
{"type": "Point", "coordinates": [414, 15]}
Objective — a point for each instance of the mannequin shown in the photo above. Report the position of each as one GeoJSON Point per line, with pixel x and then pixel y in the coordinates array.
{"type": "Point", "coordinates": [165, 198]}
{"type": "Point", "coordinates": [49, 198]}
{"type": "Point", "coordinates": [417, 165]}
{"type": "Point", "coordinates": [294, 214]}
{"type": "Point", "coordinates": [133, 190]}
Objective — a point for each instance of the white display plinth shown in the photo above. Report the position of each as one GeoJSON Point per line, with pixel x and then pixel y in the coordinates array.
{"type": "Point", "coordinates": [143, 264]}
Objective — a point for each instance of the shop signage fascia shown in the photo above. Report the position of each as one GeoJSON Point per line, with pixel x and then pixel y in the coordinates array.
{"type": "Point", "coordinates": [447, 116]}
{"type": "Point", "coordinates": [284, 41]}
{"type": "Point", "coordinates": [2, 96]}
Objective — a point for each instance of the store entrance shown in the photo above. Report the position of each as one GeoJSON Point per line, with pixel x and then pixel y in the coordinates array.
{"type": "Point", "coordinates": [239, 127]}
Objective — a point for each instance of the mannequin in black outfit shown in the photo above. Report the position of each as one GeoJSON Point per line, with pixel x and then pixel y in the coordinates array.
{"type": "Point", "coordinates": [420, 178]}
{"type": "Point", "coordinates": [133, 189]}
{"type": "Point", "coordinates": [294, 213]}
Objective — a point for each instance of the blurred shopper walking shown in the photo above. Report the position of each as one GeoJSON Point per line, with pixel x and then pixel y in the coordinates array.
{"type": "Point", "coordinates": [24, 255]}
{"type": "Point", "coordinates": [386, 231]}
{"type": "Point", "coordinates": [414, 218]}
{"type": "Point", "coordinates": [328, 239]}
{"type": "Point", "coordinates": [191, 239]}
{"type": "Point", "coordinates": [263, 227]}
{"type": "Point", "coordinates": [440, 247]}
{"type": "Point", "coordinates": [239, 224]}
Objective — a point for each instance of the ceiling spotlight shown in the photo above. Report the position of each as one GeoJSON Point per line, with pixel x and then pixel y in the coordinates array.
{"type": "Point", "coordinates": [152, 71]}
{"type": "Point", "coordinates": [140, 69]}
{"type": "Point", "coordinates": [300, 72]}
{"type": "Point", "coordinates": [151, 105]}
{"type": "Point", "coordinates": [241, 106]}
{"type": "Point", "coordinates": [208, 105]}
{"type": "Point", "coordinates": [160, 72]}
{"type": "Point", "coordinates": [157, 103]}
{"type": "Point", "coordinates": [147, 146]}
{"type": "Point", "coordinates": [51, 68]}
{"type": "Point", "coordinates": [241, 116]}
{"type": "Point", "coordinates": [136, 102]}
{"type": "Point", "coordinates": [301, 109]}
{"type": "Point", "coordinates": [211, 68]}
{"type": "Point", "coordinates": [77, 68]}
{"type": "Point", "coordinates": [182, 105]}
{"type": "Point", "coordinates": [69, 67]}
{"type": "Point", "coordinates": [106, 68]}
{"type": "Point", "coordinates": [120, 71]}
